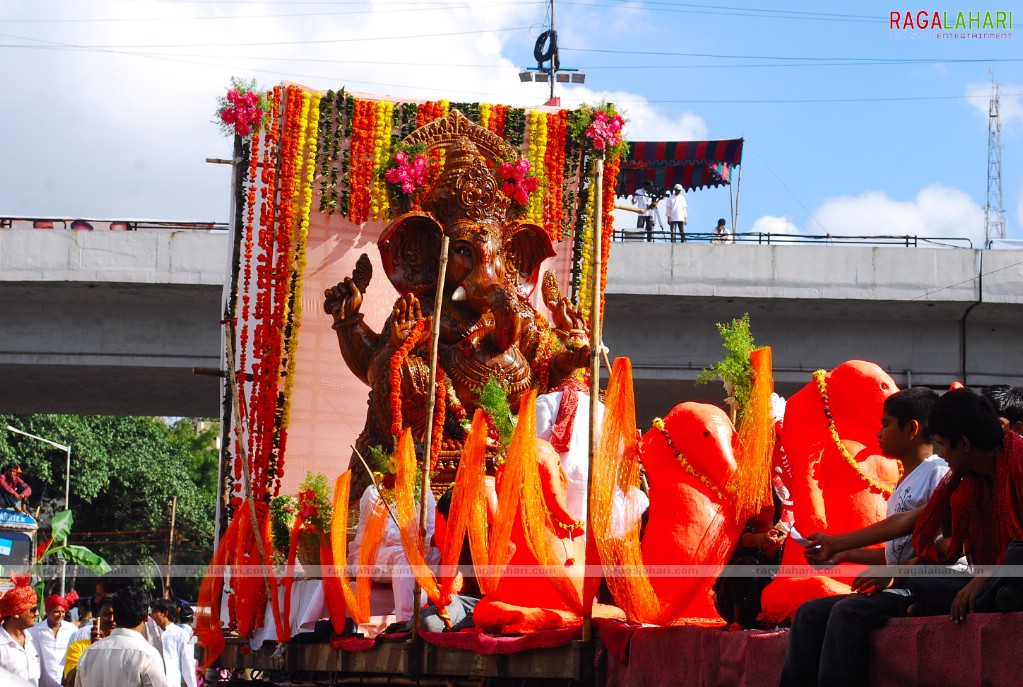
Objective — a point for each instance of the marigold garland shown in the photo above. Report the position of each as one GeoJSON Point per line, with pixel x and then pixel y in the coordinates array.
{"type": "Point", "coordinates": [554, 166]}
{"type": "Point", "coordinates": [819, 377]}
{"type": "Point", "coordinates": [397, 360]}
{"type": "Point", "coordinates": [380, 202]}
{"type": "Point", "coordinates": [295, 297]}
{"type": "Point", "coordinates": [537, 157]}
{"type": "Point", "coordinates": [360, 178]}
{"type": "Point", "coordinates": [658, 424]}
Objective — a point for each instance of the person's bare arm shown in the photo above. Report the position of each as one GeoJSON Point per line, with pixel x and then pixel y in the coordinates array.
{"type": "Point", "coordinates": [893, 527]}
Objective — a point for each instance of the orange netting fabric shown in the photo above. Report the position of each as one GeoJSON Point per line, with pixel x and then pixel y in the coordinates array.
{"type": "Point", "coordinates": [207, 621]}
{"type": "Point", "coordinates": [356, 600]}
{"type": "Point", "coordinates": [616, 466]}
{"type": "Point", "coordinates": [752, 484]}
{"type": "Point", "coordinates": [537, 524]}
{"type": "Point", "coordinates": [408, 517]}
{"type": "Point", "coordinates": [479, 544]}
{"type": "Point", "coordinates": [468, 504]}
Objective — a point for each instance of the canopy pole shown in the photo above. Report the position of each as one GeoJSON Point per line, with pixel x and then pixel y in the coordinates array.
{"type": "Point", "coordinates": [735, 210]}
{"type": "Point", "coordinates": [595, 347]}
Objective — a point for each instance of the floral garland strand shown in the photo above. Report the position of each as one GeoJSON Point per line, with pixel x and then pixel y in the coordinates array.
{"type": "Point", "coordinates": [280, 259]}
{"type": "Point", "coordinates": [295, 295]}
{"type": "Point", "coordinates": [611, 168]}
{"type": "Point", "coordinates": [380, 205]}
{"type": "Point", "coordinates": [554, 165]}
{"type": "Point", "coordinates": [585, 257]}
{"type": "Point", "coordinates": [328, 149]}
{"type": "Point", "coordinates": [486, 110]}
{"type": "Point", "coordinates": [537, 153]}
{"type": "Point", "coordinates": [397, 360]}
{"type": "Point", "coordinates": [360, 178]}
{"type": "Point", "coordinates": [346, 115]}
{"type": "Point", "coordinates": [267, 214]}
{"type": "Point", "coordinates": [819, 377]}
{"type": "Point", "coordinates": [658, 424]}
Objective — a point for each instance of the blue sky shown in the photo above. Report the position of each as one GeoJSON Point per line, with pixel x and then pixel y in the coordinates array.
{"type": "Point", "coordinates": [851, 127]}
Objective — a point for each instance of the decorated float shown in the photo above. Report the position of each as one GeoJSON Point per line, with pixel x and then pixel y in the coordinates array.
{"type": "Point", "coordinates": [466, 375]}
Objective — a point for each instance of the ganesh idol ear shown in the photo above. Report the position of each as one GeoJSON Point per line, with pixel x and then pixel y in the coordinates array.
{"type": "Point", "coordinates": [410, 252]}
{"type": "Point", "coordinates": [526, 246]}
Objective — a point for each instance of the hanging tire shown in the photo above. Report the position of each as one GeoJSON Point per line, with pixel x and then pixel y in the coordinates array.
{"type": "Point", "coordinates": [546, 47]}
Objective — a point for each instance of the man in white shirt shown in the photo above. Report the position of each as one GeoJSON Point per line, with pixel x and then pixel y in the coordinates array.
{"type": "Point", "coordinates": [124, 658]}
{"type": "Point", "coordinates": [677, 211]}
{"type": "Point", "coordinates": [19, 609]}
{"type": "Point", "coordinates": [644, 200]}
{"type": "Point", "coordinates": [391, 561]}
{"type": "Point", "coordinates": [177, 651]}
{"type": "Point", "coordinates": [51, 640]}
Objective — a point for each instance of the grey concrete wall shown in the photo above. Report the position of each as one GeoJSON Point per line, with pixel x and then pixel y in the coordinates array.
{"type": "Point", "coordinates": [114, 322]}
{"type": "Point", "coordinates": [110, 322]}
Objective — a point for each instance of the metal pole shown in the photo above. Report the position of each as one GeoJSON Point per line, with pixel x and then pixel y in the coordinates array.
{"type": "Point", "coordinates": [554, 71]}
{"type": "Point", "coordinates": [431, 409]}
{"type": "Point", "coordinates": [595, 345]}
{"type": "Point", "coordinates": [170, 543]}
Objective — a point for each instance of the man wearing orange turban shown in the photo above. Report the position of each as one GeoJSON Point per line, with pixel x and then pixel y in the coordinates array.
{"type": "Point", "coordinates": [52, 638]}
{"type": "Point", "coordinates": [17, 651]}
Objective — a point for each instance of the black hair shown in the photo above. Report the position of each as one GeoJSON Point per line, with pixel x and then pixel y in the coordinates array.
{"type": "Point", "coordinates": [912, 404]}
{"type": "Point", "coordinates": [167, 606]}
{"type": "Point", "coordinates": [8, 466]}
{"type": "Point", "coordinates": [131, 606]}
{"type": "Point", "coordinates": [99, 602]}
{"type": "Point", "coordinates": [722, 222]}
{"type": "Point", "coordinates": [1008, 402]}
{"type": "Point", "coordinates": [444, 502]}
{"type": "Point", "coordinates": [965, 413]}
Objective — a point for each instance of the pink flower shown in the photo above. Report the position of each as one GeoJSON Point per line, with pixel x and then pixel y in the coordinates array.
{"type": "Point", "coordinates": [251, 98]}
{"type": "Point", "coordinates": [227, 115]}
{"type": "Point", "coordinates": [242, 128]}
{"type": "Point", "coordinates": [232, 96]}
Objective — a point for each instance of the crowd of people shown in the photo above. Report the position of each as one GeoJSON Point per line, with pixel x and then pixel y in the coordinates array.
{"type": "Point", "coordinates": [123, 638]}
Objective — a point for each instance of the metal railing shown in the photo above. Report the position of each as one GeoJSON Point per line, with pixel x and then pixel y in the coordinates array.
{"type": "Point", "coordinates": [80, 224]}
{"type": "Point", "coordinates": [770, 239]}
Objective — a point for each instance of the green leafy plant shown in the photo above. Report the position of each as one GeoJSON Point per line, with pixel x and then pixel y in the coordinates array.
{"type": "Point", "coordinates": [735, 369]}
{"type": "Point", "coordinates": [283, 509]}
{"type": "Point", "coordinates": [493, 398]}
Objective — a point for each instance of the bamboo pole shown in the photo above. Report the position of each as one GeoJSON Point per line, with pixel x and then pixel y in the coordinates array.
{"type": "Point", "coordinates": [595, 346]}
{"type": "Point", "coordinates": [431, 410]}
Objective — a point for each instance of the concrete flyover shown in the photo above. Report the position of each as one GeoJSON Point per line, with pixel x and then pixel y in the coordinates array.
{"type": "Point", "coordinates": [114, 322]}
{"type": "Point", "coordinates": [111, 322]}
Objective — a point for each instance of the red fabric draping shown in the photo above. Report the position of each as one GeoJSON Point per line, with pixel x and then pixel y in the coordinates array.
{"type": "Point", "coordinates": [975, 503]}
{"type": "Point", "coordinates": [490, 644]}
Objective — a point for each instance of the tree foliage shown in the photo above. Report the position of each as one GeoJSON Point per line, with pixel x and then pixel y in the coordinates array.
{"type": "Point", "coordinates": [124, 473]}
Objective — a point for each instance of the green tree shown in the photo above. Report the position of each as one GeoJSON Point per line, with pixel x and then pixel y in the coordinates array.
{"type": "Point", "coordinates": [124, 473]}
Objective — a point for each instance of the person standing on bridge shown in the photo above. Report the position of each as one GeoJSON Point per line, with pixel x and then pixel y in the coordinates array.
{"type": "Point", "coordinates": [677, 211]}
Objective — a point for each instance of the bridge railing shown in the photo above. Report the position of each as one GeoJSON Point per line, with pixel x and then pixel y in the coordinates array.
{"type": "Point", "coordinates": [79, 224]}
{"type": "Point", "coordinates": [771, 239]}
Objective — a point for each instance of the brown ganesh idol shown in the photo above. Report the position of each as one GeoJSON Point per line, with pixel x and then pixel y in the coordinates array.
{"type": "Point", "coordinates": [488, 328]}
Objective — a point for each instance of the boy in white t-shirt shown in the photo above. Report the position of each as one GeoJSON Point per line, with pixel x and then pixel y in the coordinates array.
{"type": "Point", "coordinates": [829, 642]}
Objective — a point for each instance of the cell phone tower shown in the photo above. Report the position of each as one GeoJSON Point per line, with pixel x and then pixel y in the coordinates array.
{"type": "Point", "coordinates": [994, 211]}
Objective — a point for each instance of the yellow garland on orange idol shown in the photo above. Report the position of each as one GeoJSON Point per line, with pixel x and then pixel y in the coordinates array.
{"type": "Point", "coordinates": [822, 386]}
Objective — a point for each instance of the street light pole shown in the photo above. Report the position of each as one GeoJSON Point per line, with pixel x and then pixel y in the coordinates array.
{"type": "Point", "coordinates": [67, 483]}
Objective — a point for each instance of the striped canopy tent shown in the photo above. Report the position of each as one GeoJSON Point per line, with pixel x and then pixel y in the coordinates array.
{"type": "Point", "coordinates": [694, 164]}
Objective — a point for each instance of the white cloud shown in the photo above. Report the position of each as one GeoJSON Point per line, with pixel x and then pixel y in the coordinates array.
{"type": "Point", "coordinates": [1010, 107]}
{"type": "Point", "coordinates": [936, 211]}
{"type": "Point", "coordinates": [769, 224]}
